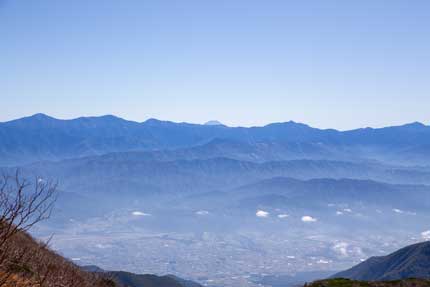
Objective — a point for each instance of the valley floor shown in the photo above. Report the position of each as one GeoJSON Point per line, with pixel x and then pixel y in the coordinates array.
{"type": "Point", "coordinates": [234, 259]}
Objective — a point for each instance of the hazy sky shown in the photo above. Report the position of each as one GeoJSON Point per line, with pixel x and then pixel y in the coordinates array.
{"type": "Point", "coordinates": [341, 64]}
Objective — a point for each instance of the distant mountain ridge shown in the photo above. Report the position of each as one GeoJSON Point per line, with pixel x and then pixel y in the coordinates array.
{"type": "Point", "coordinates": [40, 137]}
{"type": "Point", "coordinates": [128, 279]}
{"type": "Point", "coordinates": [409, 262]}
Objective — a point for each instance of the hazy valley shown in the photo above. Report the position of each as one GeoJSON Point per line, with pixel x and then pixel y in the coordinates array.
{"type": "Point", "coordinates": [225, 206]}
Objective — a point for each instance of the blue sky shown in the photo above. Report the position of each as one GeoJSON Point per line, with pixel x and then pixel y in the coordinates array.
{"type": "Point", "coordinates": [340, 64]}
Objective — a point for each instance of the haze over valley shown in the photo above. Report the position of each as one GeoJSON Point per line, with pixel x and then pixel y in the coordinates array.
{"type": "Point", "coordinates": [248, 204]}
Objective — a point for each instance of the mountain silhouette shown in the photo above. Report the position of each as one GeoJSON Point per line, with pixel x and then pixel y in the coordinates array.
{"type": "Point", "coordinates": [409, 262]}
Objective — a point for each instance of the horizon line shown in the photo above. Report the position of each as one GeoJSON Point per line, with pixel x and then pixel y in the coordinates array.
{"type": "Point", "coordinates": [206, 123]}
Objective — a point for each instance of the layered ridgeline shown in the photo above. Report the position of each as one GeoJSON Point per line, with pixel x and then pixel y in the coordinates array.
{"type": "Point", "coordinates": [174, 195]}
{"type": "Point", "coordinates": [41, 137]}
{"type": "Point", "coordinates": [409, 262]}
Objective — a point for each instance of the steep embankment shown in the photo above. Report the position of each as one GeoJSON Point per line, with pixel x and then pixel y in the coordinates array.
{"type": "Point", "coordinates": [26, 262]}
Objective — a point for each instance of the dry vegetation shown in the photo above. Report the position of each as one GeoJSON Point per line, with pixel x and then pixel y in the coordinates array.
{"type": "Point", "coordinates": [23, 260]}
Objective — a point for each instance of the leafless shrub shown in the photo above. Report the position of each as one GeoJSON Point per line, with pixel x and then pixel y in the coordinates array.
{"type": "Point", "coordinates": [23, 204]}
{"type": "Point", "coordinates": [23, 260]}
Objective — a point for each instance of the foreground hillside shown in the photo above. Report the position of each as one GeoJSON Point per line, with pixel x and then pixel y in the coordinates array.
{"type": "Point", "coordinates": [30, 263]}
{"type": "Point", "coordinates": [341, 282]}
{"type": "Point", "coordinates": [26, 262]}
{"type": "Point", "coordinates": [410, 262]}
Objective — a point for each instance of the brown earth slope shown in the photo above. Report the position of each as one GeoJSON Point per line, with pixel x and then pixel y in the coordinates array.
{"type": "Point", "coordinates": [26, 262]}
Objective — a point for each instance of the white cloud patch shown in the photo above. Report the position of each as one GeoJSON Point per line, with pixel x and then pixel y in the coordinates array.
{"type": "Point", "coordinates": [262, 213]}
{"type": "Point", "coordinates": [284, 215]}
{"type": "Point", "coordinates": [202, 212]}
{"type": "Point", "coordinates": [339, 212]}
{"type": "Point", "coordinates": [322, 261]}
{"type": "Point", "coordinates": [425, 235]}
{"type": "Point", "coordinates": [308, 218]}
{"type": "Point", "coordinates": [103, 246]}
{"type": "Point", "coordinates": [399, 211]}
{"type": "Point", "coordinates": [347, 210]}
{"type": "Point", "coordinates": [140, 213]}
{"type": "Point", "coordinates": [341, 248]}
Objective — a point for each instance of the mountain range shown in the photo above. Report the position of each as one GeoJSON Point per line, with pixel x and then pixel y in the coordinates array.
{"type": "Point", "coordinates": [40, 137]}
